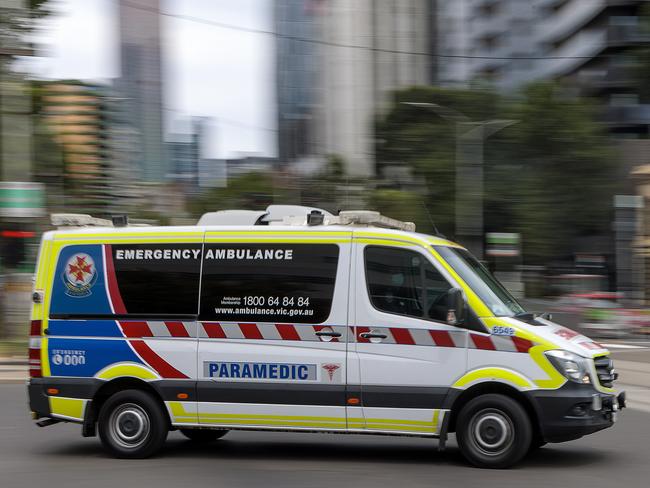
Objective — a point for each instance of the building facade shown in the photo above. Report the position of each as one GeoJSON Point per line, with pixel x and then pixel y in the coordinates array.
{"type": "Point", "coordinates": [77, 117]}
{"type": "Point", "coordinates": [592, 43]}
{"type": "Point", "coordinates": [371, 49]}
{"type": "Point", "coordinates": [298, 65]}
{"type": "Point", "coordinates": [140, 83]}
{"type": "Point", "coordinates": [490, 40]}
{"type": "Point", "coordinates": [184, 149]}
{"type": "Point", "coordinates": [339, 60]}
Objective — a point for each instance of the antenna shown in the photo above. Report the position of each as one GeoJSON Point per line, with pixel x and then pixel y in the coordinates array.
{"type": "Point", "coordinates": [435, 229]}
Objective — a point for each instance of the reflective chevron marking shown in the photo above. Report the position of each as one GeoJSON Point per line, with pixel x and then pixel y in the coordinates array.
{"type": "Point", "coordinates": [307, 333]}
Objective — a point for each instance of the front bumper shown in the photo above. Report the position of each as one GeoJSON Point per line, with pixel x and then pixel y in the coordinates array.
{"type": "Point", "coordinates": [574, 410]}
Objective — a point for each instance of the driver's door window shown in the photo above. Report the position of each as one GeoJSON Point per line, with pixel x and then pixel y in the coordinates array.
{"type": "Point", "coordinates": [404, 282]}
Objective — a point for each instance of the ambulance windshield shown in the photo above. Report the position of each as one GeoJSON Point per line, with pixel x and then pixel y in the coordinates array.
{"type": "Point", "coordinates": [481, 281]}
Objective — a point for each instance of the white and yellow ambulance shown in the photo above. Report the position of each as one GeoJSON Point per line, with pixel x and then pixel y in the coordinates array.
{"type": "Point", "coordinates": [295, 319]}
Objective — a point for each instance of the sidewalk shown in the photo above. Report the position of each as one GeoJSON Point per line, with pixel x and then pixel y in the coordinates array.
{"type": "Point", "coordinates": [13, 370]}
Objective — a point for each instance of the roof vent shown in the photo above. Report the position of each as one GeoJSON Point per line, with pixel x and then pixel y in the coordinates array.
{"type": "Point", "coordinates": [232, 217]}
{"type": "Point", "coordinates": [274, 214]}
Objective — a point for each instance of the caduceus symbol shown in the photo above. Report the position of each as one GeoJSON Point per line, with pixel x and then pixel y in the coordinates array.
{"type": "Point", "coordinates": [331, 369]}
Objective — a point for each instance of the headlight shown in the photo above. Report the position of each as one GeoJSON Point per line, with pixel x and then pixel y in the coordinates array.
{"type": "Point", "coordinates": [571, 365]}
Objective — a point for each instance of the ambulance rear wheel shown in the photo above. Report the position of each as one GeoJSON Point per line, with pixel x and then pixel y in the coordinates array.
{"type": "Point", "coordinates": [132, 425]}
{"type": "Point", "coordinates": [493, 431]}
{"type": "Point", "coordinates": [203, 435]}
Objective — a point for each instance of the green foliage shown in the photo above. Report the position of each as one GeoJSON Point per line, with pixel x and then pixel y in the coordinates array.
{"type": "Point", "coordinates": [402, 205]}
{"type": "Point", "coordinates": [426, 141]}
{"type": "Point", "coordinates": [566, 175]}
{"type": "Point", "coordinates": [250, 191]}
{"type": "Point", "coordinates": [550, 176]}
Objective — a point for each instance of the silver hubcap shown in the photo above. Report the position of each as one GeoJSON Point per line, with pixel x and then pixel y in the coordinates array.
{"type": "Point", "coordinates": [129, 425]}
{"type": "Point", "coordinates": [492, 432]}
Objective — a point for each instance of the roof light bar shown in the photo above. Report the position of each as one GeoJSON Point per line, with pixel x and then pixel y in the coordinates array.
{"type": "Point", "coordinates": [368, 217]}
{"type": "Point", "coordinates": [78, 220]}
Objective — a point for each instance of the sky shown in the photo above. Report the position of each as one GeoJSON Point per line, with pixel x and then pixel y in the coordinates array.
{"type": "Point", "coordinates": [208, 71]}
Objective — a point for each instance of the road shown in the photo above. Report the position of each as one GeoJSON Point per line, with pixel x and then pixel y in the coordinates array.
{"type": "Point", "coordinates": [58, 456]}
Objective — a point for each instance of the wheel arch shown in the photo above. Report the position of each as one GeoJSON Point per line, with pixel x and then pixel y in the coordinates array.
{"type": "Point", "coordinates": [465, 396]}
{"type": "Point", "coordinates": [116, 385]}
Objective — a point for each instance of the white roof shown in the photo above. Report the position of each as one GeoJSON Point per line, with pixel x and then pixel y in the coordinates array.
{"type": "Point", "coordinates": [276, 218]}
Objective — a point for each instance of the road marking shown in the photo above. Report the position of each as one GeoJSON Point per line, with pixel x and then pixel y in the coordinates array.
{"type": "Point", "coordinates": [623, 346]}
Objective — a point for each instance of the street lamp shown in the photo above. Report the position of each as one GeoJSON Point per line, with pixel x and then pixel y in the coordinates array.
{"type": "Point", "coordinates": [470, 137]}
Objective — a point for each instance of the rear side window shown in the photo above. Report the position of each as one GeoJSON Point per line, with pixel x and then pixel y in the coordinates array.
{"type": "Point", "coordinates": [158, 279]}
{"type": "Point", "coordinates": [268, 282]}
{"type": "Point", "coordinates": [404, 282]}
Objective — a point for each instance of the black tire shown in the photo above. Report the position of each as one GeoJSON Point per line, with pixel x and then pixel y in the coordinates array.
{"type": "Point", "coordinates": [493, 431]}
{"type": "Point", "coordinates": [203, 435]}
{"type": "Point", "coordinates": [132, 425]}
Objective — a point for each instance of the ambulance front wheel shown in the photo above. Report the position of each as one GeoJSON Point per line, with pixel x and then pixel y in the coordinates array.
{"type": "Point", "coordinates": [132, 425]}
{"type": "Point", "coordinates": [203, 435]}
{"type": "Point", "coordinates": [493, 431]}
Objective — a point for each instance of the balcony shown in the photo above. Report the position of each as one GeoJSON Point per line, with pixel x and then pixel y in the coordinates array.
{"type": "Point", "coordinates": [570, 19]}
{"type": "Point", "coordinates": [606, 77]}
{"type": "Point", "coordinates": [627, 115]}
{"type": "Point", "coordinates": [625, 35]}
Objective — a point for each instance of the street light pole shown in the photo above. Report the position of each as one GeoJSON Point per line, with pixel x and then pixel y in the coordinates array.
{"type": "Point", "coordinates": [470, 138]}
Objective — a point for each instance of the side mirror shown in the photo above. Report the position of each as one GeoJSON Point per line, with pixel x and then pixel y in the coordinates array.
{"type": "Point", "coordinates": [455, 307]}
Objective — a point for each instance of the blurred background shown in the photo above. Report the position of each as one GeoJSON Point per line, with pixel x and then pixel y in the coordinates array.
{"type": "Point", "coordinates": [518, 128]}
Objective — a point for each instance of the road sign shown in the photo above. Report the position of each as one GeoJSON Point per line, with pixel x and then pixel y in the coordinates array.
{"type": "Point", "coordinates": [22, 199]}
{"type": "Point", "coordinates": [502, 244]}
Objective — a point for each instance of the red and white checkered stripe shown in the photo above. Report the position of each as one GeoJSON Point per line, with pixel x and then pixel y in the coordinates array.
{"type": "Point", "coordinates": [277, 332]}
{"type": "Point", "coordinates": [394, 335]}
{"type": "Point", "coordinates": [414, 337]}
{"type": "Point", "coordinates": [499, 343]}
{"type": "Point", "coordinates": [291, 332]}
{"type": "Point", "coordinates": [150, 328]}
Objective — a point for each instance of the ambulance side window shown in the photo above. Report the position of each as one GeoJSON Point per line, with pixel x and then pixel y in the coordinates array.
{"type": "Point", "coordinates": [404, 282]}
{"type": "Point", "coordinates": [158, 279]}
{"type": "Point", "coordinates": [291, 283]}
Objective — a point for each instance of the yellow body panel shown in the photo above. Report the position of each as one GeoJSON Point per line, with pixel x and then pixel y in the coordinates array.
{"type": "Point", "coordinates": [493, 374]}
{"type": "Point", "coordinates": [132, 370]}
{"type": "Point", "coordinates": [70, 408]}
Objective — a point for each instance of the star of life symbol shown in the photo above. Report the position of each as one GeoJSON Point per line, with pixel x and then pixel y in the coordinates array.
{"type": "Point", "coordinates": [331, 369]}
{"type": "Point", "coordinates": [79, 275]}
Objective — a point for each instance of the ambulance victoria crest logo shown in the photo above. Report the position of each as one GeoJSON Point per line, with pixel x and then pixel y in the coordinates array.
{"type": "Point", "coordinates": [79, 275]}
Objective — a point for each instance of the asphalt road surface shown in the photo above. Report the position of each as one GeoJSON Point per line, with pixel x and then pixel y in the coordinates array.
{"type": "Point", "coordinates": [58, 456]}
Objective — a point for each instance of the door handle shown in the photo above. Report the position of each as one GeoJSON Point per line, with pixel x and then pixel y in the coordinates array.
{"type": "Point", "coordinates": [328, 333]}
{"type": "Point", "coordinates": [372, 335]}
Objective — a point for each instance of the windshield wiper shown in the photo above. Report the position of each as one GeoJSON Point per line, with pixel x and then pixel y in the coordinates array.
{"type": "Point", "coordinates": [529, 317]}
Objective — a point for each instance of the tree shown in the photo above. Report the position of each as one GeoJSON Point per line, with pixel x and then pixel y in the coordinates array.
{"type": "Point", "coordinates": [403, 205]}
{"type": "Point", "coordinates": [563, 172]}
{"type": "Point", "coordinates": [251, 191]}
{"type": "Point", "coordinates": [550, 176]}
{"type": "Point", "coordinates": [426, 142]}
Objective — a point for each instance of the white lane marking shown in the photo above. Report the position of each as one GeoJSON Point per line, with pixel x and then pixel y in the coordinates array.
{"type": "Point", "coordinates": [623, 346]}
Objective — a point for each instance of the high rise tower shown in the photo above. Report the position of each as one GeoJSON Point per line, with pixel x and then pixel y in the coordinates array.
{"type": "Point", "coordinates": [140, 82]}
{"type": "Point", "coordinates": [338, 63]}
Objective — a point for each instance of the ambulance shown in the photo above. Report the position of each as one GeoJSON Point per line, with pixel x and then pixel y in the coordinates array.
{"type": "Point", "coordinates": [294, 319]}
